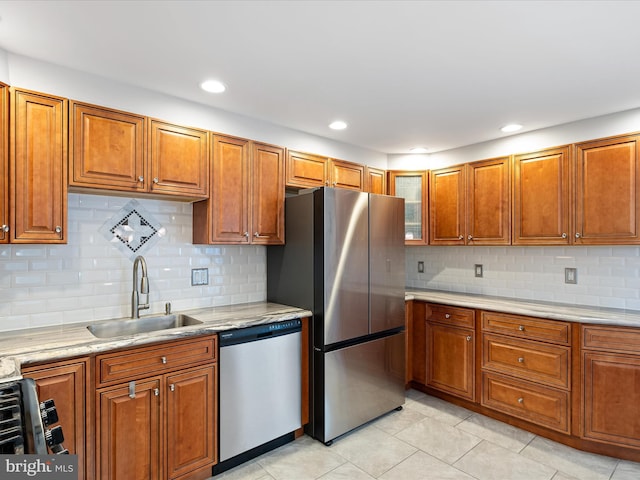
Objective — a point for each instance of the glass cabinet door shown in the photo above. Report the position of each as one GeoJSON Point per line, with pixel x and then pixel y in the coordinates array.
{"type": "Point", "coordinates": [412, 186]}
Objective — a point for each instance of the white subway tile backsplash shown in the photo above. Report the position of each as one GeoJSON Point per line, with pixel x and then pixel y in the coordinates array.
{"type": "Point", "coordinates": [608, 276]}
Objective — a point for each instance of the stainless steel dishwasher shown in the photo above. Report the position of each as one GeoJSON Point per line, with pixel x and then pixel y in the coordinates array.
{"type": "Point", "coordinates": [260, 390]}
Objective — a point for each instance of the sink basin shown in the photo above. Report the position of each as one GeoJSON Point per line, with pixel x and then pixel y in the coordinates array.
{"type": "Point", "coordinates": [119, 328]}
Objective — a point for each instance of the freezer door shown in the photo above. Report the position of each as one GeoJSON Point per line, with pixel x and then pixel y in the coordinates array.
{"type": "Point", "coordinates": [387, 264]}
{"type": "Point", "coordinates": [346, 265]}
{"type": "Point", "coordinates": [361, 382]}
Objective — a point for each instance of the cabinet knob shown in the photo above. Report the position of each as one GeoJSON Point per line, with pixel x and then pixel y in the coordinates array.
{"type": "Point", "coordinates": [5, 228]}
{"type": "Point", "coordinates": [578, 235]}
{"type": "Point", "coordinates": [468, 338]}
{"type": "Point", "coordinates": [520, 359]}
{"type": "Point", "coordinates": [521, 400]}
{"type": "Point", "coordinates": [141, 179]}
{"type": "Point", "coordinates": [470, 237]}
{"type": "Point", "coordinates": [58, 229]}
{"type": "Point", "coordinates": [326, 182]}
{"type": "Point", "coordinates": [246, 234]}
{"type": "Point", "coordinates": [155, 180]}
{"type": "Point", "coordinates": [521, 328]}
{"type": "Point", "coordinates": [256, 234]}
{"type": "Point", "coordinates": [163, 359]}
{"type": "Point", "coordinates": [446, 315]}
{"type": "Point", "coordinates": [564, 235]}
{"type": "Point", "coordinates": [156, 392]}
{"type": "Point", "coordinates": [172, 387]}
{"type": "Point", "coordinates": [461, 237]}
{"type": "Point", "coordinates": [335, 183]}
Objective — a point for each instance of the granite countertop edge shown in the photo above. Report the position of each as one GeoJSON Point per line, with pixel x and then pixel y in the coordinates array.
{"type": "Point", "coordinates": [533, 308]}
{"type": "Point", "coordinates": [29, 346]}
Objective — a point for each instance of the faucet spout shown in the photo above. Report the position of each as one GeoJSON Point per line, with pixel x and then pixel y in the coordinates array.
{"type": "Point", "coordinates": [136, 306]}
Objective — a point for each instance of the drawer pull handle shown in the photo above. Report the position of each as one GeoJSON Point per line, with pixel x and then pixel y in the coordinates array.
{"type": "Point", "coordinates": [521, 328]}
{"type": "Point", "coordinates": [521, 400]}
{"type": "Point", "coordinates": [446, 315]}
{"type": "Point", "coordinates": [520, 359]}
{"type": "Point", "coordinates": [132, 389]}
{"type": "Point", "coordinates": [163, 359]}
{"type": "Point", "coordinates": [468, 338]}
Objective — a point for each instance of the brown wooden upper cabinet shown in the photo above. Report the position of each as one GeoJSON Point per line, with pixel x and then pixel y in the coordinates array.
{"type": "Point", "coordinates": [4, 163]}
{"type": "Point", "coordinates": [412, 186]}
{"type": "Point", "coordinates": [470, 204]}
{"type": "Point", "coordinates": [305, 170]}
{"type": "Point", "coordinates": [375, 180]}
{"type": "Point", "coordinates": [607, 178]}
{"type": "Point", "coordinates": [246, 202]}
{"type": "Point", "coordinates": [541, 197]}
{"type": "Point", "coordinates": [115, 150]}
{"type": "Point", "coordinates": [38, 168]}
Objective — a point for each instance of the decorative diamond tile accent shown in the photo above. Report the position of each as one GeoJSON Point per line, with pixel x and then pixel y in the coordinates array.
{"type": "Point", "coordinates": [132, 230]}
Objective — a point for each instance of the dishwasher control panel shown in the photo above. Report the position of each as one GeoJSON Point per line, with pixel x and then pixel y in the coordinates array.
{"type": "Point", "coordinates": [259, 332]}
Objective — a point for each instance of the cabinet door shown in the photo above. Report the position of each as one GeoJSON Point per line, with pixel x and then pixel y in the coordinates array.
{"type": "Point", "coordinates": [489, 202]}
{"type": "Point", "coordinates": [107, 149]}
{"type": "Point", "coordinates": [179, 158]}
{"type": "Point", "coordinates": [191, 420]}
{"type": "Point", "coordinates": [267, 195]}
{"type": "Point", "coordinates": [347, 175]}
{"type": "Point", "coordinates": [229, 193]}
{"type": "Point", "coordinates": [412, 186]}
{"type": "Point", "coordinates": [611, 412]}
{"type": "Point", "coordinates": [541, 198]}
{"type": "Point", "coordinates": [376, 181]}
{"type": "Point", "coordinates": [447, 206]}
{"type": "Point", "coordinates": [451, 352]}
{"type": "Point", "coordinates": [607, 200]}
{"type": "Point", "coordinates": [128, 432]}
{"type": "Point", "coordinates": [38, 168]}
{"type": "Point", "coordinates": [4, 163]}
{"type": "Point", "coordinates": [64, 383]}
{"type": "Point", "coordinates": [306, 170]}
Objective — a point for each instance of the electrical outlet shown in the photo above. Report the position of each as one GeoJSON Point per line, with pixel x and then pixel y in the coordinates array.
{"type": "Point", "coordinates": [420, 267]}
{"type": "Point", "coordinates": [199, 276]}
{"type": "Point", "coordinates": [478, 270]}
{"type": "Point", "coordinates": [571, 275]}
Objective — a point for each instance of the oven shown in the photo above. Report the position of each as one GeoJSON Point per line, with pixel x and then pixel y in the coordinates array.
{"type": "Point", "coordinates": [24, 421]}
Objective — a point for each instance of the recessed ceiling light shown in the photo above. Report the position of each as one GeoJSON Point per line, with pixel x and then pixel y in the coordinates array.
{"type": "Point", "coordinates": [338, 125]}
{"type": "Point", "coordinates": [213, 86]}
{"type": "Point", "coordinates": [512, 127]}
{"type": "Point", "coordinates": [418, 150]}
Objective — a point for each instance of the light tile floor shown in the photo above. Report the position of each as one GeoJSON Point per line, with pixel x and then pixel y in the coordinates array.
{"type": "Point", "coordinates": [433, 440]}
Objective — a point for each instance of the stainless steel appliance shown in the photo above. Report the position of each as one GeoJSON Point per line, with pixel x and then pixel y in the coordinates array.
{"type": "Point", "coordinates": [344, 260]}
{"type": "Point", "coordinates": [23, 420]}
{"type": "Point", "coordinates": [260, 390]}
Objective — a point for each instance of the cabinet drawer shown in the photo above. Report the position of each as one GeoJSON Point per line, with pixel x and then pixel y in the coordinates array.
{"type": "Point", "coordinates": [535, 361]}
{"type": "Point", "coordinates": [463, 317]}
{"type": "Point", "coordinates": [611, 339]}
{"type": "Point", "coordinates": [147, 361]}
{"type": "Point", "coordinates": [543, 406]}
{"type": "Point", "coordinates": [554, 331]}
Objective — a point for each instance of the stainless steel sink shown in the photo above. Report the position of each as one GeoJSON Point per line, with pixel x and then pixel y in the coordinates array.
{"type": "Point", "coordinates": [119, 328]}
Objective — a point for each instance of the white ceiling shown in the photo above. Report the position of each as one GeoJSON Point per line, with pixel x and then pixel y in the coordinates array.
{"type": "Point", "coordinates": [439, 74]}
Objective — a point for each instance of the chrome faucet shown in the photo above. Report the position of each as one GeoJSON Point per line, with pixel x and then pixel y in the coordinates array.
{"type": "Point", "coordinates": [144, 287]}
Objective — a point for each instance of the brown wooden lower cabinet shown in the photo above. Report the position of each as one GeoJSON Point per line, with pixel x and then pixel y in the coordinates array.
{"type": "Point", "coordinates": [162, 426]}
{"type": "Point", "coordinates": [65, 382]}
{"type": "Point", "coordinates": [577, 384]}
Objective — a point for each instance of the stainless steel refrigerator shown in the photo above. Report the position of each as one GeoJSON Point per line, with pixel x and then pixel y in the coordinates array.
{"type": "Point", "coordinates": [344, 260]}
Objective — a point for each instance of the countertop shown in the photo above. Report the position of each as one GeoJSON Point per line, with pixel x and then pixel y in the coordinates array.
{"type": "Point", "coordinates": [554, 311]}
{"type": "Point", "coordinates": [53, 343]}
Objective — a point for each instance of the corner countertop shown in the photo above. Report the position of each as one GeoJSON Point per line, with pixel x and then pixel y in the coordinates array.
{"type": "Point", "coordinates": [33, 345]}
{"type": "Point", "coordinates": [553, 311]}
